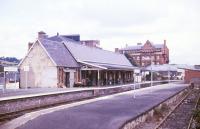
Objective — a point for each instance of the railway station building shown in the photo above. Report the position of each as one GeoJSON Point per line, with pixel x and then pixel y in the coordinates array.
{"type": "Point", "coordinates": [59, 61]}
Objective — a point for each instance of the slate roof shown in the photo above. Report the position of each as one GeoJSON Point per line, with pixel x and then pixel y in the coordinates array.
{"type": "Point", "coordinates": [189, 67]}
{"type": "Point", "coordinates": [98, 57]}
{"type": "Point", "coordinates": [61, 38]}
{"type": "Point", "coordinates": [59, 53]}
{"type": "Point", "coordinates": [68, 53]}
{"type": "Point", "coordinates": [114, 66]}
{"type": "Point", "coordinates": [168, 67]}
{"type": "Point", "coordinates": [158, 45]}
{"type": "Point", "coordinates": [138, 47]}
{"type": "Point", "coordinates": [164, 67]}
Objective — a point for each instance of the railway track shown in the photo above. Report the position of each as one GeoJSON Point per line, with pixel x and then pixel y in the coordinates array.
{"type": "Point", "coordinates": [181, 116]}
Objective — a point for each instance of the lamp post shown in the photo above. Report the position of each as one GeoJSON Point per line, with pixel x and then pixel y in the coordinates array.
{"type": "Point", "coordinates": [4, 85]}
{"type": "Point", "coordinates": [134, 85]}
{"type": "Point", "coordinates": [26, 70]}
{"type": "Point", "coordinates": [168, 74]}
{"type": "Point", "coordinates": [151, 73]}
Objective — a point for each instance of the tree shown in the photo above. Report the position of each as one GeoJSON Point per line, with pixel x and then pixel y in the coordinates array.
{"type": "Point", "coordinates": [10, 59]}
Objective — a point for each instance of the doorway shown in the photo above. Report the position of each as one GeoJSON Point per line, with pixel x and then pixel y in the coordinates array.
{"type": "Point", "coordinates": [67, 81]}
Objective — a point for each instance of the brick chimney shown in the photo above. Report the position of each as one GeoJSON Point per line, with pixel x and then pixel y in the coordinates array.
{"type": "Point", "coordinates": [30, 44]}
{"type": "Point", "coordinates": [42, 35]}
{"type": "Point", "coordinates": [116, 49]}
{"type": "Point", "coordinates": [139, 44]}
{"type": "Point", "coordinates": [164, 42]}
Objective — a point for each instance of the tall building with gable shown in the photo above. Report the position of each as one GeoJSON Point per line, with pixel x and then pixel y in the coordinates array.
{"type": "Point", "coordinates": [147, 54]}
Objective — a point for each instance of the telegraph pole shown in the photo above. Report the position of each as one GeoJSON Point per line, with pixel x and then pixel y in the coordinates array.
{"type": "Point", "coordinates": [151, 73]}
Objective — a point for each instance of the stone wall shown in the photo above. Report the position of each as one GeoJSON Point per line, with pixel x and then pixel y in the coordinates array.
{"type": "Point", "coordinates": [42, 100]}
{"type": "Point", "coordinates": [20, 104]}
{"type": "Point", "coordinates": [31, 102]}
{"type": "Point", "coordinates": [42, 71]}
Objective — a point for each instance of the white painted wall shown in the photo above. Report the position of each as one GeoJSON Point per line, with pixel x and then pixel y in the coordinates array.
{"type": "Point", "coordinates": [42, 72]}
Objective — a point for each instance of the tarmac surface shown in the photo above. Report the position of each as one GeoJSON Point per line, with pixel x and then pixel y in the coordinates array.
{"type": "Point", "coordinates": [109, 112]}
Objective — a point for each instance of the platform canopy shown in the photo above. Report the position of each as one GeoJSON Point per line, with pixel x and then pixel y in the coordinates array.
{"type": "Point", "coordinates": [161, 68]}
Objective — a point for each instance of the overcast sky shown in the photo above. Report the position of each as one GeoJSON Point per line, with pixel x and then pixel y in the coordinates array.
{"type": "Point", "coordinates": [114, 22]}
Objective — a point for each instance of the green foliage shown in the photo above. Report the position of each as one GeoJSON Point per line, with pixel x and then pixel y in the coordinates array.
{"type": "Point", "coordinates": [196, 115]}
{"type": "Point", "coordinates": [157, 114]}
{"type": "Point", "coordinates": [165, 107]}
{"type": "Point", "coordinates": [10, 59]}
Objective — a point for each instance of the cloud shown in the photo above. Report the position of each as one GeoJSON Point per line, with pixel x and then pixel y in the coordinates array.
{"type": "Point", "coordinates": [114, 23]}
{"type": "Point", "coordinates": [125, 13]}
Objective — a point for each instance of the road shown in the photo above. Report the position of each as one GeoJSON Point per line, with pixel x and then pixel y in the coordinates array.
{"type": "Point", "coordinates": [109, 112]}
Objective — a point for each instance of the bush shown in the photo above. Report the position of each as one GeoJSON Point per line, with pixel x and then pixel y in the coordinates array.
{"type": "Point", "coordinates": [157, 114]}
{"type": "Point", "coordinates": [165, 107]}
{"type": "Point", "coordinates": [196, 115]}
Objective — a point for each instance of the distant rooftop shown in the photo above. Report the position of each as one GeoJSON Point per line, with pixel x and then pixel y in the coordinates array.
{"type": "Point", "coordinates": [61, 38]}
{"type": "Point", "coordinates": [140, 45]}
{"type": "Point", "coordinates": [164, 67]}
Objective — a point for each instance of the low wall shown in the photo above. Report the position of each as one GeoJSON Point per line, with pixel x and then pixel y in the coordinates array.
{"type": "Point", "coordinates": [20, 104]}
{"type": "Point", "coordinates": [37, 101]}
{"type": "Point", "coordinates": [118, 89]}
{"type": "Point", "coordinates": [112, 90]}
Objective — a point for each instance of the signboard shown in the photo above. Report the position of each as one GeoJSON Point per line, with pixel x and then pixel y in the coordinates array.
{"type": "Point", "coordinates": [26, 68]}
{"type": "Point", "coordinates": [136, 70]}
{"type": "Point", "coordinates": [10, 69]}
{"type": "Point", "coordinates": [147, 73]}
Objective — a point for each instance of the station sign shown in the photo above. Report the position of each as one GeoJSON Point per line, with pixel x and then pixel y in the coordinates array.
{"type": "Point", "coordinates": [10, 69]}
{"type": "Point", "coordinates": [136, 70]}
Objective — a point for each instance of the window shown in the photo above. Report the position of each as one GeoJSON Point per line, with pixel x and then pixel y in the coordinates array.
{"type": "Point", "coordinates": [152, 57]}
{"type": "Point", "coordinates": [142, 64]}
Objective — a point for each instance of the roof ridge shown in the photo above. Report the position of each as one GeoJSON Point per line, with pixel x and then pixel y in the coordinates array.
{"type": "Point", "coordinates": [95, 48]}
{"type": "Point", "coordinates": [105, 63]}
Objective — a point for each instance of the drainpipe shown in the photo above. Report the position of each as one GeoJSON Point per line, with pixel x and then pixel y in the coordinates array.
{"type": "Point", "coordinates": [98, 77]}
{"type": "Point", "coordinates": [151, 73]}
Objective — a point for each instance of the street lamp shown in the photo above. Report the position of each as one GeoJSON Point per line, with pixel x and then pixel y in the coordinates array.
{"type": "Point", "coordinates": [168, 73]}
{"type": "Point", "coordinates": [151, 73]}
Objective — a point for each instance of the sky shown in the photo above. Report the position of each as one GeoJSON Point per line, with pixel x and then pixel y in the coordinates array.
{"type": "Point", "coordinates": [114, 22]}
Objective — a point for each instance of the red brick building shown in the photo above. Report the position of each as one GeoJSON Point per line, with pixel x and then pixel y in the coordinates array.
{"type": "Point", "coordinates": [192, 75]}
{"type": "Point", "coordinates": [143, 55]}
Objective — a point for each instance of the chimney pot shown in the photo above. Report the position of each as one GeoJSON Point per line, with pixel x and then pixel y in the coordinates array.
{"type": "Point", "coordinates": [42, 35]}
{"type": "Point", "coordinates": [30, 44]}
{"type": "Point", "coordinates": [116, 49]}
{"type": "Point", "coordinates": [165, 42]}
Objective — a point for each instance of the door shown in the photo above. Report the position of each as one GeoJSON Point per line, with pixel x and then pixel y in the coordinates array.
{"type": "Point", "coordinates": [67, 81]}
